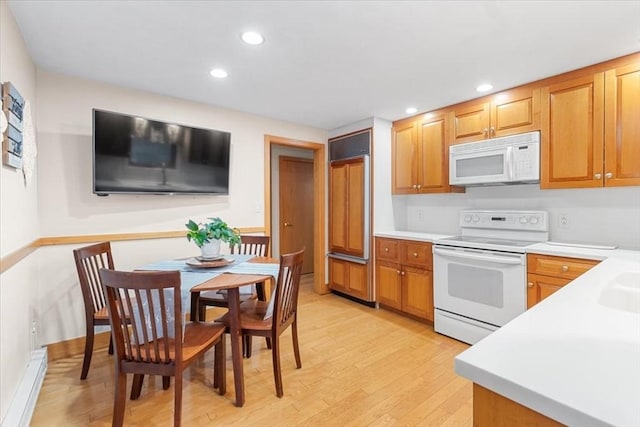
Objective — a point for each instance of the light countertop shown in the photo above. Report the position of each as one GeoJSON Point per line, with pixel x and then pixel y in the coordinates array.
{"type": "Point", "coordinates": [411, 235]}
{"type": "Point", "coordinates": [571, 357]}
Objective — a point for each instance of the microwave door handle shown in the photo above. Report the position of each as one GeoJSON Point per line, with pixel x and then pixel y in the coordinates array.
{"type": "Point", "coordinates": [510, 162]}
{"type": "Point", "coordinates": [477, 257]}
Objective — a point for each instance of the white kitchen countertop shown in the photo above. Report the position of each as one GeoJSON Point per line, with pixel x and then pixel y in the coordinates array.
{"type": "Point", "coordinates": [582, 252]}
{"type": "Point", "coordinates": [570, 357]}
{"type": "Point", "coordinates": [411, 235]}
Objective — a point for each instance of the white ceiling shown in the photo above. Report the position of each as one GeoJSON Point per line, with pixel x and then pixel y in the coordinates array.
{"type": "Point", "coordinates": [325, 63]}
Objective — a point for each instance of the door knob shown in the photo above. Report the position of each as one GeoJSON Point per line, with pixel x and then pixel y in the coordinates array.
{"type": "Point", "coordinates": [288, 224]}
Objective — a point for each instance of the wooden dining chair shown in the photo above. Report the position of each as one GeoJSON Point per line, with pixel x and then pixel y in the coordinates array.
{"type": "Point", "coordinates": [249, 245]}
{"type": "Point", "coordinates": [89, 260]}
{"type": "Point", "coordinates": [154, 342]}
{"type": "Point", "coordinates": [256, 321]}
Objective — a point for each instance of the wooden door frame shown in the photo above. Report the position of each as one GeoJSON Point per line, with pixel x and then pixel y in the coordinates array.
{"type": "Point", "coordinates": [319, 184]}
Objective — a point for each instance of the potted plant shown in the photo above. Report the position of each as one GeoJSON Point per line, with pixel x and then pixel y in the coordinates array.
{"type": "Point", "coordinates": [208, 236]}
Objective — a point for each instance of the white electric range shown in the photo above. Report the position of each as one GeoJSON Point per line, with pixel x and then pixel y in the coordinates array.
{"type": "Point", "coordinates": [480, 276]}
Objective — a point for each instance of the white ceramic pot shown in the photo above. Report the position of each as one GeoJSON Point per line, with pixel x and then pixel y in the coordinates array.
{"type": "Point", "coordinates": [211, 249]}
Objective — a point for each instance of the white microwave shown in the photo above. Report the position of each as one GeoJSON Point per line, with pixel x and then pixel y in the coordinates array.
{"type": "Point", "coordinates": [511, 159]}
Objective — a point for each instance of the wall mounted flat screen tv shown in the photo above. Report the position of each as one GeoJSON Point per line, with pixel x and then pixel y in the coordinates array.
{"type": "Point", "coordinates": [135, 155]}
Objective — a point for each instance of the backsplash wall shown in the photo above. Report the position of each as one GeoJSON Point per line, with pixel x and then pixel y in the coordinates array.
{"type": "Point", "coordinates": [600, 216]}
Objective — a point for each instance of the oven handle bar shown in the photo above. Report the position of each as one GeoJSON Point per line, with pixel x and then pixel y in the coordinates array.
{"type": "Point", "coordinates": [477, 257]}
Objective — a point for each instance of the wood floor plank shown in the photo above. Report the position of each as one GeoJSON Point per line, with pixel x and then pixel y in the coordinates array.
{"type": "Point", "coordinates": [361, 367]}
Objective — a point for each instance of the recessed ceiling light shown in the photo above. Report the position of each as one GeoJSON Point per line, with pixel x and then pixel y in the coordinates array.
{"type": "Point", "coordinates": [485, 87]}
{"type": "Point", "coordinates": [411, 110]}
{"type": "Point", "coordinates": [252, 38]}
{"type": "Point", "coordinates": [218, 73]}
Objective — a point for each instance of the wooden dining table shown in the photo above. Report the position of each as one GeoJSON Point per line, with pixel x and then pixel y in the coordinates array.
{"type": "Point", "coordinates": [232, 283]}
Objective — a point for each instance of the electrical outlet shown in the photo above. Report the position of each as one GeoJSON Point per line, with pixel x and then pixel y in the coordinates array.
{"type": "Point", "coordinates": [563, 221]}
{"type": "Point", "coordinates": [420, 214]}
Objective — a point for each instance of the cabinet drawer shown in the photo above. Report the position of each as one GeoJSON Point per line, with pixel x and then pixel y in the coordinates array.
{"type": "Point", "coordinates": [568, 268]}
{"type": "Point", "coordinates": [416, 254]}
{"type": "Point", "coordinates": [387, 249]}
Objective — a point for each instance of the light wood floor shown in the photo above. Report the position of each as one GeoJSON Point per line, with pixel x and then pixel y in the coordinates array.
{"type": "Point", "coordinates": [360, 367]}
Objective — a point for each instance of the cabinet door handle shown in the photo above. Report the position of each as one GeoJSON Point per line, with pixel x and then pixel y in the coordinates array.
{"type": "Point", "coordinates": [565, 268]}
{"type": "Point", "coordinates": [492, 131]}
{"type": "Point", "coordinates": [398, 272]}
{"type": "Point", "coordinates": [402, 274]}
{"type": "Point", "coordinates": [415, 186]}
{"type": "Point", "coordinates": [386, 249]}
{"type": "Point", "coordinates": [419, 186]}
{"type": "Point", "coordinates": [608, 175]}
{"type": "Point", "coordinates": [485, 131]}
{"type": "Point", "coordinates": [598, 176]}
{"type": "Point", "coordinates": [530, 285]}
{"type": "Point", "coordinates": [415, 254]}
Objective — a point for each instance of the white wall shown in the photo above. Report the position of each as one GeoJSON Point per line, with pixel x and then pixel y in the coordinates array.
{"type": "Point", "coordinates": [19, 225]}
{"type": "Point", "coordinates": [603, 215]}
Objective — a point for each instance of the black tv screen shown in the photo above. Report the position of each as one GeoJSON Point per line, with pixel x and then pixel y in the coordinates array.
{"type": "Point", "coordinates": [136, 155]}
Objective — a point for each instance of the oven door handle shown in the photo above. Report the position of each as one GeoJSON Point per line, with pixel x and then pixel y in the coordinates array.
{"type": "Point", "coordinates": [477, 257]}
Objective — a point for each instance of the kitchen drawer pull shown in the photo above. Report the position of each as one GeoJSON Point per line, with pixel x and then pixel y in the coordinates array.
{"type": "Point", "coordinates": [565, 268]}
{"type": "Point", "coordinates": [386, 249]}
{"type": "Point", "coordinates": [415, 254]}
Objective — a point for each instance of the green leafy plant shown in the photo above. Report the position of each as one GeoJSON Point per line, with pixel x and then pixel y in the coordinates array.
{"type": "Point", "coordinates": [215, 228]}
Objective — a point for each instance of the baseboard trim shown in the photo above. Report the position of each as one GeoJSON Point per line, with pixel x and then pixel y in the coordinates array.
{"type": "Point", "coordinates": [24, 401]}
{"type": "Point", "coordinates": [75, 346]}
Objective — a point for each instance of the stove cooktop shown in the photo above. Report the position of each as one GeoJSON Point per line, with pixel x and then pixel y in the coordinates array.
{"type": "Point", "coordinates": [475, 242]}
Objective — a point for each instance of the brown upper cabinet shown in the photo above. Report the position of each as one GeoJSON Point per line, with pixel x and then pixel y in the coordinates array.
{"type": "Point", "coordinates": [420, 162]}
{"type": "Point", "coordinates": [591, 130]}
{"type": "Point", "coordinates": [506, 113]}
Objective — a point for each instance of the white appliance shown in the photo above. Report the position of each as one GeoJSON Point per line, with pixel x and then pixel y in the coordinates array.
{"type": "Point", "coordinates": [508, 160]}
{"type": "Point", "coordinates": [479, 277]}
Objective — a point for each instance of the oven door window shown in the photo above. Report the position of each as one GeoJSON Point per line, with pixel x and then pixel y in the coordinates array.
{"type": "Point", "coordinates": [476, 284]}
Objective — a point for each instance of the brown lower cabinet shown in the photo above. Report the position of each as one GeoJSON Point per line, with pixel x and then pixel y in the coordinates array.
{"type": "Point", "coordinates": [546, 274]}
{"type": "Point", "coordinates": [404, 276]}
{"type": "Point", "coordinates": [349, 278]}
{"type": "Point", "coordinates": [493, 410]}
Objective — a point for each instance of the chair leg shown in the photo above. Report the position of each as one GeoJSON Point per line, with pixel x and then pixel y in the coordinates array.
{"type": "Point", "coordinates": [268, 340]}
{"type": "Point", "coordinates": [220, 367]}
{"type": "Point", "coordinates": [120, 399]}
{"type": "Point", "coordinates": [296, 348]}
{"type": "Point", "coordinates": [110, 350]}
{"type": "Point", "coordinates": [136, 387]}
{"type": "Point", "coordinates": [277, 374]}
{"type": "Point", "coordinates": [202, 312]}
{"type": "Point", "coordinates": [166, 383]}
{"type": "Point", "coordinates": [88, 352]}
{"type": "Point", "coordinates": [177, 409]}
{"type": "Point", "coordinates": [246, 343]}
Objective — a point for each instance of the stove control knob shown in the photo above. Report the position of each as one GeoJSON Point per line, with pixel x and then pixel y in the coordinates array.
{"type": "Point", "coordinates": [523, 220]}
{"type": "Point", "coordinates": [467, 218]}
{"type": "Point", "coordinates": [475, 218]}
{"type": "Point", "coordinates": [534, 220]}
